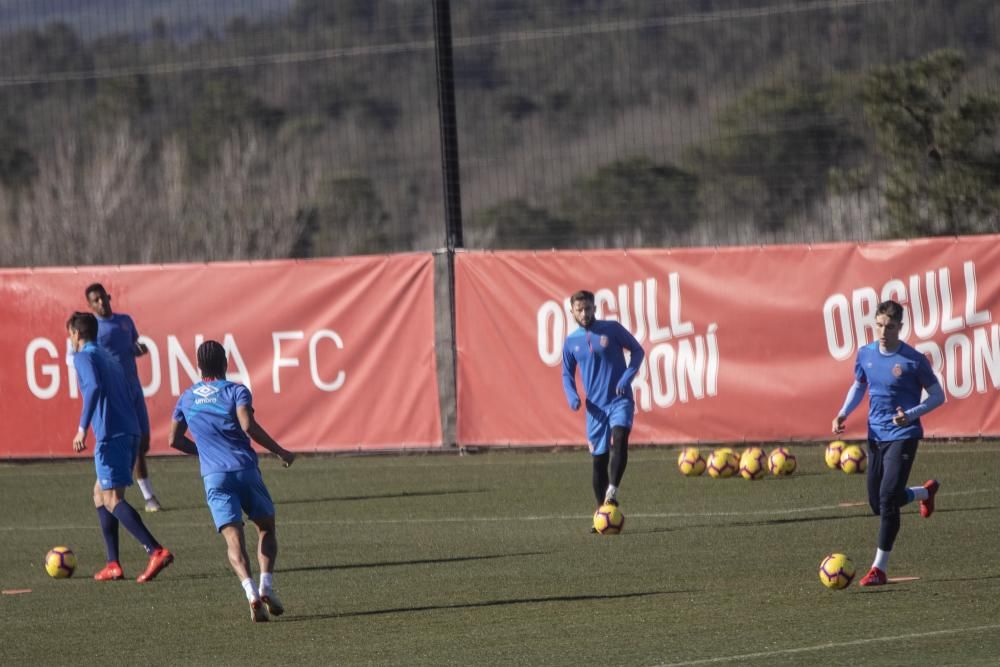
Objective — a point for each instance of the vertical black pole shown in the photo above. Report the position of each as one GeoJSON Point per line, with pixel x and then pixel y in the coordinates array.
{"type": "Point", "coordinates": [452, 211]}
{"type": "Point", "coordinates": [449, 125]}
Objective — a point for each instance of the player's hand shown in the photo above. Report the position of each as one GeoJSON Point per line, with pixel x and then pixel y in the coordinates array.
{"type": "Point", "coordinates": [838, 424]}
{"type": "Point", "coordinates": [79, 441]}
{"type": "Point", "coordinates": [574, 405]}
{"type": "Point", "coordinates": [900, 418]}
{"type": "Point", "coordinates": [288, 458]}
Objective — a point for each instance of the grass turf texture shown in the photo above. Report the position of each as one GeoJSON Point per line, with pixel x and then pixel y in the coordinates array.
{"type": "Point", "coordinates": [488, 559]}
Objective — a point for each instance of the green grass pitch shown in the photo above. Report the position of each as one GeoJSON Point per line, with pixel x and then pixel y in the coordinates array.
{"type": "Point", "coordinates": [487, 559]}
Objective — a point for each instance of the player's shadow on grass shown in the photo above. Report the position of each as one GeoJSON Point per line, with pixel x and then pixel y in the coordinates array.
{"type": "Point", "coordinates": [800, 519]}
{"type": "Point", "coordinates": [396, 563]}
{"type": "Point", "coordinates": [389, 563]}
{"type": "Point", "coordinates": [478, 605]}
{"type": "Point", "coordinates": [747, 524]}
{"type": "Point", "coordinates": [383, 496]}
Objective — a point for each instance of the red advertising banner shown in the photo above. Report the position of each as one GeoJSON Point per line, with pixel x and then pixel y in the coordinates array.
{"type": "Point", "coordinates": [339, 353]}
{"type": "Point", "coordinates": [742, 344]}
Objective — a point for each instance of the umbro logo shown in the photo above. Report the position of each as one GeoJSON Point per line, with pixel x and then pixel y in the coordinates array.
{"type": "Point", "coordinates": [205, 390]}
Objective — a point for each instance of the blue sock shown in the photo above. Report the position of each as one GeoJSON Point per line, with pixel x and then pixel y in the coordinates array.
{"type": "Point", "coordinates": [133, 524]}
{"type": "Point", "coordinates": [109, 528]}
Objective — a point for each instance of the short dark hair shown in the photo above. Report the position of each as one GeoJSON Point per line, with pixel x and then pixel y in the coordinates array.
{"type": "Point", "coordinates": [84, 324]}
{"type": "Point", "coordinates": [212, 359]}
{"type": "Point", "coordinates": [582, 295]}
{"type": "Point", "coordinates": [891, 309]}
{"type": "Point", "coordinates": [94, 287]}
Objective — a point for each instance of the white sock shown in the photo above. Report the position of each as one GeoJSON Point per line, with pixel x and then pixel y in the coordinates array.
{"type": "Point", "coordinates": [265, 582]}
{"type": "Point", "coordinates": [881, 560]}
{"type": "Point", "coordinates": [919, 493]}
{"type": "Point", "coordinates": [249, 589]}
{"type": "Point", "coordinates": [611, 493]}
{"type": "Point", "coordinates": [146, 486]}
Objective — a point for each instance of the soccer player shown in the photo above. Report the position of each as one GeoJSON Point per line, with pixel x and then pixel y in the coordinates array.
{"type": "Point", "coordinates": [107, 408]}
{"type": "Point", "coordinates": [598, 348]}
{"type": "Point", "coordinates": [894, 375]}
{"type": "Point", "coordinates": [117, 334]}
{"type": "Point", "coordinates": [220, 416]}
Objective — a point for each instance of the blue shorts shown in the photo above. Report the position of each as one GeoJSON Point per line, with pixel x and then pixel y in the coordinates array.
{"type": "Point", "coordinates": [601, 421]}
{"type": "Point", "coordinates": [113, 460]}
{"type": "Point", "coordinates": [139, 405]}
{"type": "Point", "coordinates": [230, 494]}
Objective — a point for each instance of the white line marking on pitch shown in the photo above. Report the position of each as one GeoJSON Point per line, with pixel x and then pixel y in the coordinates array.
{"type": "Point", "coordinates": [498, 519]}
{"type": "Point", "coordinates": [444, 458]}
{"type": "Point", "coordinates": [829, 645]}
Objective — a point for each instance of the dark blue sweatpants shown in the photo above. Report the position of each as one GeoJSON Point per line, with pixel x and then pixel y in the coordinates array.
{"type": "Point", "coordinates": [889, 466]}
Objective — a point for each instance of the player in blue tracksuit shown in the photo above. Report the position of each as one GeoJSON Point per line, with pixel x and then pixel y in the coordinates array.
{"type": "Point", "coordinates": [220, 416]}
{"type": "Point", "coordinates": [598, 348]}
{"type": "Point", "coordinates": [117, 334]}
{"type": "Point", "coordinates": [107, 409]}
{"type": "Point", "coordinates": [895, 375]}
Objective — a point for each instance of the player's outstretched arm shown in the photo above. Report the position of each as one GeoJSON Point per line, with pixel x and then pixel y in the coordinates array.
{"type": "Point", "coordinates": [853, 399]}
{"type": "Point", "coordinates": [261, 437]}
{"type": "Point", "coordinates": [178, 439]}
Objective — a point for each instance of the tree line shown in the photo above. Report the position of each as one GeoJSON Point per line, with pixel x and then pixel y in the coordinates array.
{"type": "Point", "coordinates": [581, 124]}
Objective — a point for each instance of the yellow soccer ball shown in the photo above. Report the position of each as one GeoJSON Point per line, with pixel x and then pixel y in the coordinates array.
{"type": "Point", "coordinates": [836, 571]}
{"type": "Point", "coordinates": [722, 463]}
{"type": "Point", "coordinates": [608, 519]}
{"type": "Point", "coordinates": [60, 562]}
{"type": "Point", "coordinates": [690, 462]}
{"type": "Point", "coordinates": [781, 462]}
{"type": "Point", "coordinates": [753, 463]}
{"type": "Point", "coordinates": [853, 460]}
{"type": "Point", "coordinates": [833, 452]}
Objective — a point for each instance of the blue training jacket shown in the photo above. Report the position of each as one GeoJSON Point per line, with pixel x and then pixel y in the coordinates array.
{"type": "Point", "coordinates": [599, 351]}
{"type": "Point", "coordinates": [107, 399]}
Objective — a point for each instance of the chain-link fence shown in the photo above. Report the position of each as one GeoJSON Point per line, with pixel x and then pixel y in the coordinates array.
{"type": "Point", "coordinates": [177, 131]}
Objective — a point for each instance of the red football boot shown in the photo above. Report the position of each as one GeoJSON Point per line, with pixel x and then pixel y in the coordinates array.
{"type": "Point", "coordinates": [111, 572]}
{"type": "Point", "coordinates": [157, 561]}
{"type": "Point", "coordinates": [875, 577]}
{"type": "Point", "coordinates": [927, 506]}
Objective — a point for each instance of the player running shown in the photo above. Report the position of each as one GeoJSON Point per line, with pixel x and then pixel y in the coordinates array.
{"type": "Point", "coordinates": [598, 347]}
{"type": "Point", "coordinates": [219, 414]}
{"type": "Point", "coordinates": [894, 375]}
{"type": "Point", "coordinates": [107, 408]}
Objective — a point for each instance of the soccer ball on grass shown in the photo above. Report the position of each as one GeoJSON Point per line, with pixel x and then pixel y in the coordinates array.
{"type": "Point", "coordinates": [608, 519]}
{"type": "Point", "coordinates": [781, 462]}
{"type": "Point", "coordinates": [723, 463]}
{"type": "Point", "coordinates": [690, 462]}
{"type": "Point", "coordinates": [853, 460]}
{"type": "Point", "coordinates": [833, 452]}
{"type": "Point", "coordinates": [836, 571]}
{"type": "Point", "coordinates": [60, 562]}
{"type": "Point", "coordinates": [753, 463]}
